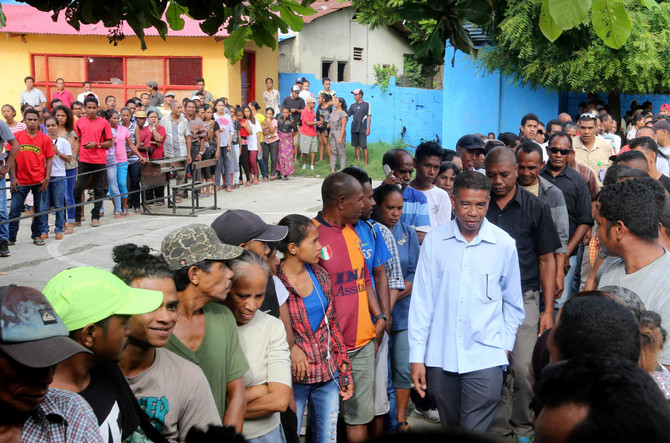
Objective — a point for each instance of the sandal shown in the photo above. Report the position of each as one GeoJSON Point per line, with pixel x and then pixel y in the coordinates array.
{"type": "Point", "coordinates": [403, 426]}
{"type": "Point", "coordinates": [236, 186]}
{"type": "Point", "coordinates": [228, 189]}
{"type": "Point", "coordinates": [69, 230]}
{"type": "Point", "coordinates": [39, 242]}
{"type": "Point", "coordinates": [247, 184]}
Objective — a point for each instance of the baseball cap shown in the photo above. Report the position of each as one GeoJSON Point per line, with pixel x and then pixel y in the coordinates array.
{"type": "Point", "coordinates": [169, 94]}
{"type": "Point", "coordinates": [140, 114]}
{"type": "Point", "coordinates": [152, 83]}
{"type": "Point", "coordinates": [30, 330]}
{"type": "Point", "coordinates": [86, 295]}
{"type": "Point", "coordinates": [357, 91]}
{"type": "Point", "coordinates": [662, 124]}
{"type": "Point", "coordinates": [237, 226]}
{"type": "Point", "coordinates": [196, 97]}
{"type": "Point", "coordinates": [310, 99]}
{"type": "Point", "coordinates": [299, 80]}
{"type": "Point", "coordinates": [665, 107]}
{"type": "Point", "coordinates": [471, 141]}
{"type": "Point", "coordinates": [191, 244]}
{"type": "Point", "coordinates": [295, 88]}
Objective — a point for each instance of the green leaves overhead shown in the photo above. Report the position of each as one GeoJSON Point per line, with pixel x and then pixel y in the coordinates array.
{"type": "Point", "coordinates": [256, 20]}
{"type": "Point", "coordinates": [569, 13]}
{"type": "Point", "coordinates": [3, 19]}
{"type": "Point", "coordinates": [548, 26]}
{"type": "Point", "coordinates": [611, 22]}
{"type": "Point", "coordinates": [580, 59]}
{"type": "Point", "coordinates": [429, 23]}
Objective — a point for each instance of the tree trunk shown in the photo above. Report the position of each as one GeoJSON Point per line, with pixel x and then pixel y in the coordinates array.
{"type": "Point", "coordinates": [614, 104]}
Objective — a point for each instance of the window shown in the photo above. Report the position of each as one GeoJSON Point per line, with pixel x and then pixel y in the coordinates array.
{"type": "Point", "coordinates": [105, 69]}
{"type": "Point", "coordinates": [184, 70]}
{"type": "Point", "coordinates": [358, 53]}
{"type": "Point", "coordinates": [342, 72]}
{"type": "Point", "coordinates": [326, 69]}
{"type": "Point", "coordinates": [122, 77]}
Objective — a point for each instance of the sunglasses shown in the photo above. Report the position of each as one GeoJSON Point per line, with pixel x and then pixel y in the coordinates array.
{"type": "Point", "coordinates": [562, 151]}
{"type": "Point", "coordinates": [588, 115]}
{"type": "Point", "coordinates": [540, 131]}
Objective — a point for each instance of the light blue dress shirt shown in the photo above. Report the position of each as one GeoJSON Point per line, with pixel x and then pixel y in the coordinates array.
{"type": "Point", "coordinates": [466, 302]}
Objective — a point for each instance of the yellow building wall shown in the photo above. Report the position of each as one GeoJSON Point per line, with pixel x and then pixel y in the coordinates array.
{"type": "Point", "coordinates": [222, 78]}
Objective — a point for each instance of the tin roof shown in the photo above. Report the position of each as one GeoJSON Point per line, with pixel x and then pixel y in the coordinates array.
{"type": "Point", "coordinates": [325, 8]}
{"type": "Point", "coordinates": [24, 19]}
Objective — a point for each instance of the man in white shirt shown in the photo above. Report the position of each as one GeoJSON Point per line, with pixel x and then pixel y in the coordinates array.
{"type": "Point", "coordinates": [465, 310]}
{"type": "Point", "coordinates": [33, 96]}
{"type": "Point", "coordinates": [87, 92]}
{"type": "Point", "coordinates": [427, 160]}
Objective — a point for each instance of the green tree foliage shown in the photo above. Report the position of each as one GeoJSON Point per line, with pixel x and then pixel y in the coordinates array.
{"type": "Point", "coordinates": [430, 22]}
{"type": "Point", "coordinates": [579, 60]}
{"type": "Point", "coordinates": [256, 20]}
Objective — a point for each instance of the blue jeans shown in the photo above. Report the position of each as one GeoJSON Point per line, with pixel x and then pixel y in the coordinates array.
{"type": "Point", "coordinates": [274, 436]}
{"type": "Point", "coordinates": [4, 227]}
{"type": "Point", "coordinates": [134, 171]}
{"type": "Point", "coordinates": [71, 175]}
{"type": "Point", "coordinates": [39, 224]}
{"type": "Point", "coordinates": [55, 196]}
{"type": "Point", "coordinates": [567, 284]}
{"type": "Point", "coordinates": [122, 177]}
{"type": "Point", "coordinates": [324, 407]}
{"type": "Point", "coordinates": [114, 187]}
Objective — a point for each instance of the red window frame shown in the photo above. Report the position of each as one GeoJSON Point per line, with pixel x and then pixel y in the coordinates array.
{"type": "Point", "coordinates": [163, 87]}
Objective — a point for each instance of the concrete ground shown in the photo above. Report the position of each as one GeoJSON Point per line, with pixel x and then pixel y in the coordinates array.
{"type": "Point", "coordinates": [34, 265]}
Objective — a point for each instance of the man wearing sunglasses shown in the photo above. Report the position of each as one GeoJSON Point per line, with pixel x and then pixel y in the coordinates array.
{"type": "Point", "coordinates": [577, 200]}
{"type": "Point", "coordinates": [591, 151]}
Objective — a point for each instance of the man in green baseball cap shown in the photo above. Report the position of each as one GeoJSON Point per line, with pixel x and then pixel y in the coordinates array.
{"type": "Point", "coordinates": [206, 331]}
{"type": "Point", "coordinates": [95, 306]}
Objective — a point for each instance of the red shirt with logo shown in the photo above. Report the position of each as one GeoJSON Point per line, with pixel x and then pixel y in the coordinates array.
{"type": "Point", "coordinates": [32, 156]}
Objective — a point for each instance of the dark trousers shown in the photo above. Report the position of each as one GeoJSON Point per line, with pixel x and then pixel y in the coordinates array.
{"type": "Point", "coordinates": [467, 400]}
{"type": "Point", "coordinates": [97, 175]}
{"type": "Point", "coordinates": [134, 175]}
{"type": "Point", "coordinates": [39, 224]}
{"type": "Point", "coordinates": [244, 162]}
{"type": "Point", "coordinates": [270, 151]}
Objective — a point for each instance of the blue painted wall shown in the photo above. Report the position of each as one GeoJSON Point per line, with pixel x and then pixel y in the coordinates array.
{"type": "Point", "coordinates": [474, 102]}
{"type": "Point", "coordinates": [657, 100]}
{"type": "Point", "coordinates": [418, 110]}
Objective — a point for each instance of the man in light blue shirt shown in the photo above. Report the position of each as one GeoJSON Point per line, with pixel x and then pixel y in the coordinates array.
{"type": "Point", "coordinates": [465, 310]}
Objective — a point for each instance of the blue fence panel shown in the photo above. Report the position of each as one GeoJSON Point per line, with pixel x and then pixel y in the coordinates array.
{"type": "Point", "coordinates": [418, 111]}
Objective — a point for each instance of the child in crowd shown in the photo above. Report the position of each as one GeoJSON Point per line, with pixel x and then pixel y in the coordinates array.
{"type": "Point", "coordinates": [338, 128]}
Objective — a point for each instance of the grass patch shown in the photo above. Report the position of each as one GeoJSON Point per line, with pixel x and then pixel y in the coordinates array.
{"type": "Point", "coordinates": [322, 168]}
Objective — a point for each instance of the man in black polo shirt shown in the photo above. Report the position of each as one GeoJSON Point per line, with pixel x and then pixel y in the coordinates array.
{"type": "Point", "coordinates": [528, 220]}
{"type": "Point", "coordinates": [577, 200]}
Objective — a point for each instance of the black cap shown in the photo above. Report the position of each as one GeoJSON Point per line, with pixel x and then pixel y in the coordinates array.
{"type": "Point", "coordinates": [471, 141]}
{"type": "Point", "coordinates": [237, 226]}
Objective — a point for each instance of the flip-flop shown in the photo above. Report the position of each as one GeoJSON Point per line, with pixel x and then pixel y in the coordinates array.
{"type": "Point", "coordinates": [39, 242]}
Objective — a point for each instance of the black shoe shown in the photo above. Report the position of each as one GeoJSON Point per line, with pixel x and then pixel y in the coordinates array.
{"type": "Point", "coordinates": [4, 249]}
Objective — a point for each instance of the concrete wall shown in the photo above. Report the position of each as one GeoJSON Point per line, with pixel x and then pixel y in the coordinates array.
{"type": "Point", "coordinates": [474, 102]}
{"type": "Point", "coordinates": [333, 38]}
{"type": "Point", "coordinates": [222, 77]}
{"type": "Point", "coordinates": [418, 110]}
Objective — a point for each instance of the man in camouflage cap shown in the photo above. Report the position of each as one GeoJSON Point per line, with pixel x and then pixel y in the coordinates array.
{"type": "Point", "coordinates": [191, 244]}
{"type": "Point", "coordinates": [206, 331]}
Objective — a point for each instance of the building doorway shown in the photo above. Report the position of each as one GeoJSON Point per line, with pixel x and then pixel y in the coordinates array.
{"type": "Point", "coordinates": [248, 74]}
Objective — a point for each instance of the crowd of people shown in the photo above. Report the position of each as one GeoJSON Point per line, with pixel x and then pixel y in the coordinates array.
{"type": "Point", "coordinates": [513, 287]}
{"type": "Point", "coordinates": [88, 143]}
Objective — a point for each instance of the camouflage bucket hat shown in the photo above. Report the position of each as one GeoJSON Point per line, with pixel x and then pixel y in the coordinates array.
{"type": "Point", "coordinates": [191, 244]}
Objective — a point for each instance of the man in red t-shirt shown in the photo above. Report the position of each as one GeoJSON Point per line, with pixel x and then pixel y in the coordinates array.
{"type": "Point", "coordinates": [308, 142]}
{"type": "Point", "coordinates": [95, 138]}
{"type": "Point", "coordinates": [30, 171]}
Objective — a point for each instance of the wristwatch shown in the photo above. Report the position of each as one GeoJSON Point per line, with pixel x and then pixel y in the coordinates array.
{"type": "Point", "coordinates": [381, 316]}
